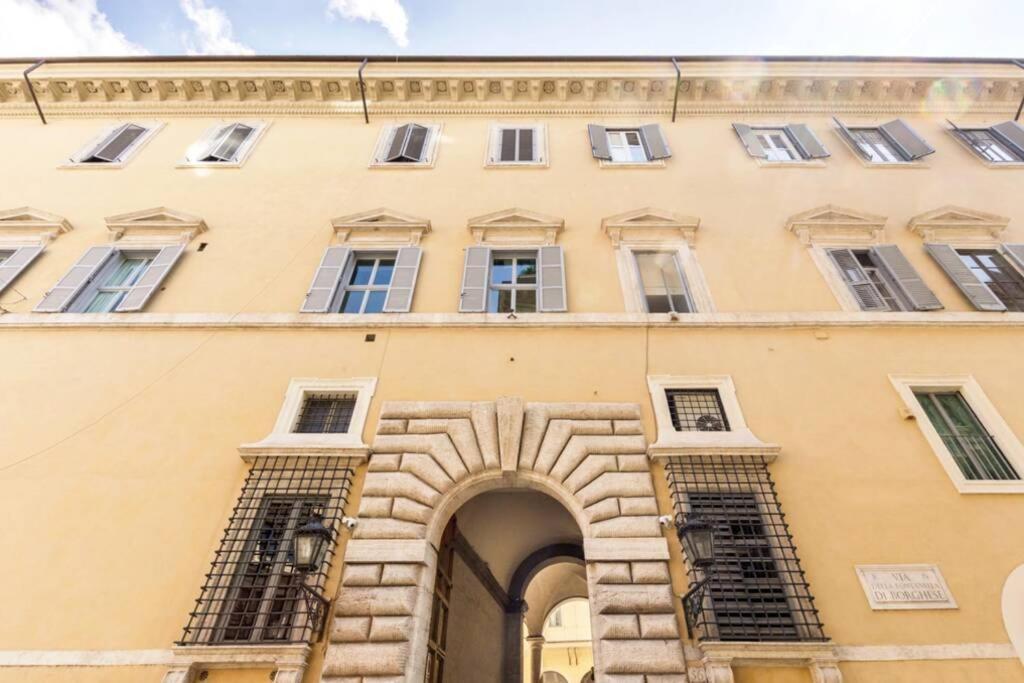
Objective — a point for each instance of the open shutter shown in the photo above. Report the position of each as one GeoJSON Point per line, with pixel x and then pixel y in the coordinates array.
{"type": "Point", "coordinates": [863, 289]}
{"type": "Point", "coordinates": [749, 140]}
{"type": "Point", "coordinates": [911, 145]}
{"type": "Point", "coordinates": [229, 145]}
{"type": "Point", "coordinates": [403, 280]}
{"type": "Point", "coordinates": [975, 290]}
{"type": "Point", "coordinates": [552, 280]}
{"type": "Point", "coordinates": [654, 142]}
{"type": "Point", "coordinates": [118, 144]}
{"type": "Point", "coordinates": [473, 298]}
{"type": "Point", "coordinates": [79, 275]}
{"type": "Point", "coordinates": [326, 280]}
{"type": "Point", "coordinates": [806, 141]}
{"type": "Point", "coordinates": [415, 148]}
{"type": "Point", "coordinates": [910, 283]}
{"type": "Point", "coordinates": [507, 145]}
{"type": "Point", "coordinates": [16, 263]}
{"type": "Point", "coordinates": [846, 133]}
{"type": "Point", "coordinates": [1012, 134]}
{"type": "Point", "coordinates": [527, 149]}
{"type": "Point", "coordinates": [599, 141]}
{"type": "Point", "coordinates": [1015, 252]}
{"type": "Point", "coordinates": [398, 138]}
{"type": "Point", "coordinates": [140, 293]}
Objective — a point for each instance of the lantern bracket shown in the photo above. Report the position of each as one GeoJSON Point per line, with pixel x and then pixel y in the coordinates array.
{"type": "Point", "coordinates": [317, 607]}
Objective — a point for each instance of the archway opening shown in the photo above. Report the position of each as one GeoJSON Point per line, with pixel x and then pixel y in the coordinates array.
{"type": "Point", "coordinates": [507, 558]}
{"type": "Point", "coordinates": [568, 650]}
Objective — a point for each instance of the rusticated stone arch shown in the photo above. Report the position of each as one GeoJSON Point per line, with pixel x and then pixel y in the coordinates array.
{"type": "Point", "coordinates": [430, 458]}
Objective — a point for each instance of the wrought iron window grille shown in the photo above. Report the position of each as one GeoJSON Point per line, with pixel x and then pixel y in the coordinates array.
{"type": "Point", "coordinates": [326, 414]}
{"type": "Point", "coordinates": [756, 589]}
{"type": "Point", "coordinates": [696, 410]}
{"type": "Point", "coordinates": [253, 593]}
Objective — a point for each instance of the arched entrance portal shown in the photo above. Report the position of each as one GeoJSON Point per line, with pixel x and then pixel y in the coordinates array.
{"type": "Point", "coordinates": [432, 459]}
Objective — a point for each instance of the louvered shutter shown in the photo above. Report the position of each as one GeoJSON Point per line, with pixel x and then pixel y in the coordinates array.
{"type": "Point", "coordinates": [398, 138]}
{"type": "Point", "coordinates": [552, 279]}
{"type": "Point", "coordinates": [142, 291]}
{"type": "Point", "coordinates": [911, 145]}
{"type": "Point", "coordinates": [77, 277]}
{"type": "Point", "coordinates": [403, 280]}
{"type": "Point", "coordinates": [908, 280]}
{"type": "Point", "coordinates": [326, 280]}
{"type": "Point", "coordinates": [654, 142]}
{"type": "Point", "coordinates": [123, 138]}
{"type": "Point", "coordinates": [231, 143]}
{"type": "Point", "coordinates": [473, 298]}
{"type": "Point", "coordinates": [507, 146]}
{"type": "Point", "coordinates": [848, 134]}
{"type": "Point", "coordinates": [863, 289]}
{"type": "Point", "coordinates": [13, 266]}
{"type": "Point", "coordinates": [599, 142]}
{"type": "Point", "coordinates": [806, 141]}
{"type": "Point", "coordinates": [1012, 134]}
{"type": "Point", "coordinates": [1014, 251]}
{"type": "Point", "coordinates": [415, 148]}
{"type": "Point", "coordinates": [526, 145]}
{"type": "Point", "coordinates": [975, 290]}
{"type": "Point", "coordinates": [749, 140]}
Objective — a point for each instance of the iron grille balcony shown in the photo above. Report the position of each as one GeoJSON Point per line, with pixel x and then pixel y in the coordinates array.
{"type": "Point", "coordinates": [252, 593]}
{"type": "Point", "coordinates": [756, 590]}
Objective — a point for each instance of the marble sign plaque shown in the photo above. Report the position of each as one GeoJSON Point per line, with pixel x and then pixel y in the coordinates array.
{"type": "Point", "coordinates": [905, 586]}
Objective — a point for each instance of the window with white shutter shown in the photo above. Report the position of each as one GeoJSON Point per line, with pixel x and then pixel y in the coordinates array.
{"type": "Point", "coordinates": [517, 145]}
{"type": "Point", "coordinates": [364, 281]}
{"type": "Point", "coordinates": [780, 144]}
{"type": "Point", "coordinates": [880, 278]}
{"type": "Point", "coordinates": [629, 145]}
{"type": "Point", "coordinates": [225, 144]}
{"type": "Point", "coordinates": [407, 145]}
{"type": "Point", "coordinates": [115, 145]}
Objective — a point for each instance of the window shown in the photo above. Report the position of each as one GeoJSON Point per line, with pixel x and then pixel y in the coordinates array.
{"type": "Point", "coordinates": [796, 142]}
{"type": "Point", "coordinates": [757, 590]}
{"type": "Point", "coordinates": [894, 142]}
{"type": "Point", "coordinates": [115, 145]}
{"type": "Point", "coordinates": [14, 261]}
{"type": "Point", "coordinates": [517, 146]}
{"type": "Point", "coordinates": [999, 144]}
{"type": "Point", "coordinates": [663, 282]}
{"type": "Point", "coordinates": [513, 280]}
{"type": "Point", "coordinates": [110, 279]}
{"type": "Point", "coordinates": [410, 144]}
{"type": "Point", "coordinates": [881, 279]}
{"type": "Point", "coordinates": [992, 270]}
{"type": "Point", "coordinates": [974, 444]}
{"type": "Point", "coordinates": [326, 414]}
{"type": "Point", "coordinates": [636, 145]}
{"type": "Point", "coordinates": [972, 447]}
{"type": "Point", "coordinates": [555, 620]}
{"type": "Point", "coordinates": [251, 593]}
{"type": "Point", "coordinates": [225, 145]}
{"type": "Point", "coordinates": [350, 281]}
{"type": "Point", "coordinates": [696, 410]}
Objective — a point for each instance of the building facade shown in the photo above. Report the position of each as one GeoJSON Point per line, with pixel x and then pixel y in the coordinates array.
{"type": "Point", "coordinates": [509, 330]}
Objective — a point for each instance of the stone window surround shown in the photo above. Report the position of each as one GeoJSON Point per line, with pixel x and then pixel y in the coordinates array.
{"type": "Point", "coordinates": [515, 227]}
{"type": "Point", "coordinates": [916, 164]}
{"type": "Point", "coordinates": [491, 157]}
{"type": "Point", "coordinates": [959, 227]}
{"type": "Point", "coordinates": [430, 149]}
{"type": "Point", "coordinates": [25, 226]}
{"type": "Point", "coordinates": [987, 414]}
{"type": "Point", "coordinates": [282, 441]}
{"type": "Point", "coordinates": [152, 128]}
{"type": "Point", "coordinates": [288, 661]}
{"type": "Point", "coordinates": [792, 163]}
{"type": "Point", "coordinates": [671, 443]}
{"type": "Point", "coordinates": [154, 228]}
{"type": "Point", "coordinates": [244, 151]}
{"type": "Point", "coordinates": [381, 228]}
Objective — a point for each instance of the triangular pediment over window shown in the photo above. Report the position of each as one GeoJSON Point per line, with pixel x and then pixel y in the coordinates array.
{"type": "Point", "coordinates": [379, 226]}
{"type": "Point", "coordinates": [159, 224]}
{"type": "Point", "coordinates": [517, 226]}
{"type": "Point", "coordinates": [650, 225]}
{"type": "Point", "coordinates": [831, 224]}
{"type": "Point", "coordinates": [957, 224]}
{"type": "Point", "coordinates": [28, 224]}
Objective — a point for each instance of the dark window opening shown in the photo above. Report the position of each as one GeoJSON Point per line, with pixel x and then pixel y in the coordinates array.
{"type": "Point", "coordinates": [697, 410]}
{"type": "Point", "coordinates": [326, 414]}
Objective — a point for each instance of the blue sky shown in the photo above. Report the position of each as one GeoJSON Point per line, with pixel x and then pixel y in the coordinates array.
{"type": "Point", "coordinates": [982, 28]}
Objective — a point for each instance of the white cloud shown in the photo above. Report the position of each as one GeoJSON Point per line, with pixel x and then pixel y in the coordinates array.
{"type": "Point", "coordinates": [388, 13]}
{"type": "Point", "coordinates": [212, 33]}
{"type": "Point", "coordinates": [59, 28]}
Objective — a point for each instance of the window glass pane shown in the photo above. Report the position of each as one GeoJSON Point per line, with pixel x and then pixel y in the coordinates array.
{"type": "Point", "coordinates": [526, 271]}
{"type": "Point", "coordinates": [526, 300]}
{"type": "Point", "coordinates": [972, 448]}
{"type": "Point", "coordinates": [988, 147]}
{"type": "Point", "coordinates": [384, 270]}
{"type": "Point", "coordinates": [501, 271]}
{"type": "Point", "coordinates": [499, 301]}
{"type": "Point", "coordinates": [875, 146]}
{"type": "Point", "coordinates": [352, 302]}
{"type": "Point", "coordinates": [375, 301]}
{"type": "Point", "coordinates": [662, 282]}
{"type": "Point", "coordinates": [127, 272]}
{"type": "Point", "coordinates": [976, 267]}
{"type": "Point", "coordinates": [362, 271]}
{"type": "Point", "coordinates": [104, 302]}
{"type": "Point", "coordinates": [4, 255]}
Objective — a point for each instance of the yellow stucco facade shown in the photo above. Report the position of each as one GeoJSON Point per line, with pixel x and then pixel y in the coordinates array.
{"type": "Point", "coordinates": [120, 432]}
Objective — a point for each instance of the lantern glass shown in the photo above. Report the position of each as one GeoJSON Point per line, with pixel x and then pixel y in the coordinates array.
{"type": "Point", "coordinates": [698, 540]}
{"type": "Point", "coordinates": [310, 545]}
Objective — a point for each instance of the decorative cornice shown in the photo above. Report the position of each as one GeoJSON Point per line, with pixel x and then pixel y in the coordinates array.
{"type": "Point", "coordinates": [515, 226]}
{"type": "Point", "coordinates": [514, 87]}
{"type": "Point", "coordinates": [831, 224]}
{"type": "Point", "coordinates": [159, 223]}
{"type": "Point", "coordinates": [956, 224]}
{"type": "Point", "coordinates": [380, 225]}
{"type": "Point", "coordinates": [28, 224]}
{"type": "Point", "coordinates": [650, 225]}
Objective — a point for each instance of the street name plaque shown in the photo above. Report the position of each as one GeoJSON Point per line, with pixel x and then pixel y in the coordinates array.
{"type": "Point", "coordinates": [905, 586]}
